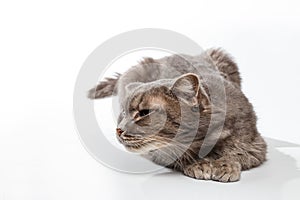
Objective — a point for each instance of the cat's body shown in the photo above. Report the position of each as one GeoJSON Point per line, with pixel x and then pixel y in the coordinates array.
{"type": "Point", "coordinates": [180, 108]}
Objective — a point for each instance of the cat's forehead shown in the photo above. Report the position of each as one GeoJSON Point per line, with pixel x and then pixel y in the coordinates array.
{"type": "Point", "coordinates": [147, 94]}
{"type": "Point", "coordinates": [153, 97]}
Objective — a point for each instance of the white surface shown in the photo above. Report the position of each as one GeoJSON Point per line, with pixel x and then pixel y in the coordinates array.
{"type": "Point", "coordinates": [42, 47]}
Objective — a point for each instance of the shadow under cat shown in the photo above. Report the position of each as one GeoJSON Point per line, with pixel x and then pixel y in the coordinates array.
{"type": "Point", "coordinates": [275, 179]}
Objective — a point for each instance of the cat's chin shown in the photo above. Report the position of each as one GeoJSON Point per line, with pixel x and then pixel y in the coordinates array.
{"type": "Point", "coordinates": [145, 149]}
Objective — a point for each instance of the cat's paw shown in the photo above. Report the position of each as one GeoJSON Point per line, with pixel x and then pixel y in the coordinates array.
{"type": "Point", "coordinates": [226, 171]}
{"type": "Point", "coordinates": [222, 170]}
{"type": "Point", "coordinates": [199, 170]}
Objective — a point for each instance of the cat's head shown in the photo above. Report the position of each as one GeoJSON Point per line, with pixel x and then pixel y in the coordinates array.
{"type": "Point", "coordinates": [161, 113]}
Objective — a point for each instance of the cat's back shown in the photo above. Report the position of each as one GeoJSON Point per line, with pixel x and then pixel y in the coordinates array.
{"type": "Point", "coordinates": [212, 66]}
{"type": "Point", "coordinates": [168, 67]}
{"type": "Point", "coordinates": [212, 61]}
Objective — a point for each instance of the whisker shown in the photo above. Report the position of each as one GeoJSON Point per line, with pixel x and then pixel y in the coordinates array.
{"type": "Point", "coordinates": [174, 160]}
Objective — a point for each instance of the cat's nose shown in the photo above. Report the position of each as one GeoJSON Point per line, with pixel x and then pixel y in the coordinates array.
{"type": "Point", "coordinates": [119, 131]}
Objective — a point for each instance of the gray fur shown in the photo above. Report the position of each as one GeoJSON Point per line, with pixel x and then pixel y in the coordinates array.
{"type": "Point", "coordinates": [105, 88]}
{"type": "Point", "coordinates": [167, 105]}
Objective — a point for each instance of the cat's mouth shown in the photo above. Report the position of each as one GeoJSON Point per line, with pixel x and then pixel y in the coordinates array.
{"type": "Point", "coordinates": [130, 142]}
{"type": "Point", "coordinates": [138, 144]}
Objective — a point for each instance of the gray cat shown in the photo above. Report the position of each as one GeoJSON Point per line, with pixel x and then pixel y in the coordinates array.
{"type": "Point", "coordinates": [187, 113]}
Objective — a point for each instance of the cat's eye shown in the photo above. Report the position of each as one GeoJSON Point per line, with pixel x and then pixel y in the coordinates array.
{"type": "Point", "coordinates": [144, 112]}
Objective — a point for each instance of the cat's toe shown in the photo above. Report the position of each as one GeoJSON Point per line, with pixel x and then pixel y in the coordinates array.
{"type": "Point", "coordinates": [198, 171]}
{"type": "Point", "coordinates": [226, 171]}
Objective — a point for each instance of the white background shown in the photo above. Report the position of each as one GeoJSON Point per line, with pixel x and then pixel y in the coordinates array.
{"type": "Point", "coordinates": [43, 45]}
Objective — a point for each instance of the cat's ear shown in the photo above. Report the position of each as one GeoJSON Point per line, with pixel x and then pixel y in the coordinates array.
{"type": "Point", "coordinates": [188, 88]}
{"type": "Point", "coordinates": [105, 88]}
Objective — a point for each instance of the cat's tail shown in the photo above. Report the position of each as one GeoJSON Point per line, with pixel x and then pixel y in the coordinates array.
{"type": "Point", "coordinates": [105, 88]}
{"type": "Point", "coordinates": [225, 64]}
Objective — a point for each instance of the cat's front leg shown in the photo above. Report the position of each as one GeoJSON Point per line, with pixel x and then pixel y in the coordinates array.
{"type": "Point", "coordinates": [222, 170]}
